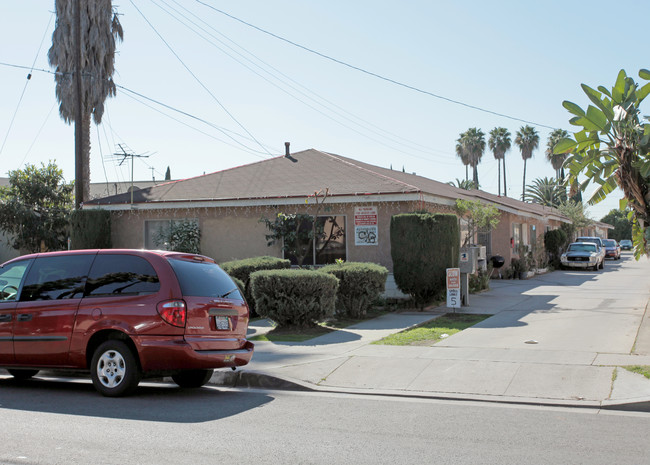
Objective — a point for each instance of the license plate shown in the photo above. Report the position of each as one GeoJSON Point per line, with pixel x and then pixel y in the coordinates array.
{"type": "Point", "coordinates": [223, 322]}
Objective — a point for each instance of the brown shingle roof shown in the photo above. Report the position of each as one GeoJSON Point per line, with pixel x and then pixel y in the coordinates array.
{"type": "Point", "coordinates": [302, 174]}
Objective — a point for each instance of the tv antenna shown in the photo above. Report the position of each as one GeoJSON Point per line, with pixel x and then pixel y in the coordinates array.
{"type": "Point", "coordinates": [126, 154]}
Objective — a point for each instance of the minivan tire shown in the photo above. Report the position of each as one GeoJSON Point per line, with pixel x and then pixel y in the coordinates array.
{"type": "Point", "coordinates": [114, 369]}
{"type": "Point", "coordinates": [192, 378]}
{"type": "Point", "coordinates": [22, 374]}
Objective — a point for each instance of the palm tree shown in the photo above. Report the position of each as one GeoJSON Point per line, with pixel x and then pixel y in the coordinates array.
{"type": "Point", "coordinates": [465, 184]}
{"type": "Point", "coordinates": [84, 59]}
{"type": "Point", "coordinates": [546, 191]}
{"type": "Point", "coordinates": [527, 140]}
{"type": "Point", "coordinates": [499, 143]}
{"type": "Point", "coordinates": [472, 145]}
{"type": "Point", "coordinates": [557, 160]}
{"type": "Point", "coordinates": [462, 154]}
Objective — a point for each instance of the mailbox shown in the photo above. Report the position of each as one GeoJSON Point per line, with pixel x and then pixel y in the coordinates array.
{"type": "Point", "coordinates": [468, 260]}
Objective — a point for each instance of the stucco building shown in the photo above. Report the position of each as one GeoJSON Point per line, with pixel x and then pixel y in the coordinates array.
{"type": "Point", "coordinates": [361, 199]}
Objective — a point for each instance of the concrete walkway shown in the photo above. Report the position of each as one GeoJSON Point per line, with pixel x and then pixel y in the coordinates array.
{"type": "Point", "coordinates": [556, 339]}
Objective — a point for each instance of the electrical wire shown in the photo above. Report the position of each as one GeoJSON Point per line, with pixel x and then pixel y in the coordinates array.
{"type": "Point", "coordinates": [444, 158]}
{"type": "Point", "coordinates": [38, 134]}
{"type": "Point", "coordinates": [133, 97]}
{"type": "Point", "coordinates": [316, 98]}
{"type": "Point", "coordinates": [196, 78]}
{"type": "Point", "coordinates": [29, 77]}
{"type": "Point", "coordinates": [370, 73]}
{"type": "Point", "coordinates": [171, 108]}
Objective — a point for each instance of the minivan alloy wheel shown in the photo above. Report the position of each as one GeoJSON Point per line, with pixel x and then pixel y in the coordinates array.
{"type": "Point", "coordinates": [111, 368]}
{"type": "Point", "coordinates": [114, 369]}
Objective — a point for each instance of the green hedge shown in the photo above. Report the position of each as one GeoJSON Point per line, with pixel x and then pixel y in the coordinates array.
{"type": "Point", "coordinates": [554, 242]}
{"type": "Point", "coordinates": [423, 246]}
{"type": "Point", "coordinates": [90, 229]}
{"type": "Point", "coordinates": [294, 297]}
{"type": "Point", "coordinates": [242, 270]}
{"type": "Point", "coordinates": [359, 285]}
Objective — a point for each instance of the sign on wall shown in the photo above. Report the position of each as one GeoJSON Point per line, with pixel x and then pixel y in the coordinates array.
{"type": "Point", "coordinates": [365, 226]}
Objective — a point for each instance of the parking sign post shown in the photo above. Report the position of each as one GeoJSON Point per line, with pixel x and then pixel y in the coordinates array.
{"type": "Point", "coordinates": [453, 288]}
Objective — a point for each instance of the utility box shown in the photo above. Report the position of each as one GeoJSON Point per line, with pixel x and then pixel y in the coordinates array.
{"type": "Point", "coordinates": [468, 260]}
{"type": "Point", "coordinates": [481, 257]}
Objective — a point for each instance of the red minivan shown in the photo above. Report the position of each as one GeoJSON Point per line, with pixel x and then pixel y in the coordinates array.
{"type": "Point", "coordinates": [122, 315]}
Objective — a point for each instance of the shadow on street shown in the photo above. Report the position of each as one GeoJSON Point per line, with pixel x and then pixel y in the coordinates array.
{"type": "Point", "coordinates": [150, 402]}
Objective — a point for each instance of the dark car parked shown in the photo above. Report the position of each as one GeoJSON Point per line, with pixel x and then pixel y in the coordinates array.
{"type": "Point", "coordinates": [626, 244]}
{"type": "Point", "coordinates": [612, 249]}
{"type": "Point", "coordinates": [122, 315]}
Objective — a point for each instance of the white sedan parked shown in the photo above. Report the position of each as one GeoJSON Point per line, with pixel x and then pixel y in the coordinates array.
{"type": "Point", "coordinates": [583, 255]}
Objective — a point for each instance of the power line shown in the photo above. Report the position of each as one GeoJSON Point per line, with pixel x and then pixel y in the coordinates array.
{"type": "Point", "coordinates": [29, 77]}
{"type": "Point", "coordinates": [442, 158]}
{"type": "Point", "coordinates": [199, 81]}
{"type": "Point", "coordinates": [169, 107]}
{"type": "Point", "coordinates": [370, 73]}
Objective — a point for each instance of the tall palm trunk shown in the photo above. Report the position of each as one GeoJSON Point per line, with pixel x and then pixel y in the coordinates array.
{"type": "Point", "coordinates": [85, 147]}
{"type": "Point", "coordinates": [499, 171]}
{"type": "Point", "coordinates": [505, 189]}
{"type": "Point", "coordinates": [523, 189]}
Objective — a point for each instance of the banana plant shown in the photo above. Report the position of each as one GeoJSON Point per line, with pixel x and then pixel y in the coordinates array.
{"type": "Point", "coordinates": [613, 149]}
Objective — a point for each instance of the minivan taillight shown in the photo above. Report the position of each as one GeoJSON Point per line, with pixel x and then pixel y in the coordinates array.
{"type": "Point", "coordinates": [173, 312]}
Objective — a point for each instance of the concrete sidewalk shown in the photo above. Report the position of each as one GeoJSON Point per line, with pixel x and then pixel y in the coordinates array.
{"type": "Point", "coordinates": [556, 339]}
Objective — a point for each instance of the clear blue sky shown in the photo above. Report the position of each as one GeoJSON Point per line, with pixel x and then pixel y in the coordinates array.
{"type": "Point", "coordinates": [521, 59]}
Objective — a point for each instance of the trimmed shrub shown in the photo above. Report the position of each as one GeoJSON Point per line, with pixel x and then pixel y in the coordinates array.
{"type": "Point", "coordinates": [90, 229]}
{"type": "Point", "coordinates": [554, 242]}
{"type": "Point", "coordinates": [242, 270]}
{"type": "Point", "coordinates": [359, 285]}
{"type": "Point", "coordinates": [294, 297]}
{"type": "Point", "coordinates": [423, 246]}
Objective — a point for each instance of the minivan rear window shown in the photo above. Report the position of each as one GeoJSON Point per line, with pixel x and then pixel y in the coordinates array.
{"type": "Point", "coordinates": [115, 275]}
{"type": "Point", "coordinates": [204, 279]}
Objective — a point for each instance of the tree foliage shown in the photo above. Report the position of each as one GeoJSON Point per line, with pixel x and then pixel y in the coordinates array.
{"type": "Point", "coordinates": [99, 31]}
{"type": "Point", "coordinates": [35, 207]}
{"type": "Point", "coordinates": [181, 236]}
{"type": "Point", "coordinates": [612, 149]}
{"type": "Point", "coordinates": [480, 218]}
{"type": "Point", "coordinates": [556, 159]}
{"type": "Point", "coordinates": [527, 140]}
{"type": "Point", "coordinates": [464, 184]}
{"type": "Point", "coordinates": [546, 191]}
{"type": "Point", "coordinates": [577, 213]}
{"type": "Point", "coordinates": [621, 222]}
{"type": "Point", "coordinates": [499, 142]}
{"type": "Point", "coordinates": [470, 148]}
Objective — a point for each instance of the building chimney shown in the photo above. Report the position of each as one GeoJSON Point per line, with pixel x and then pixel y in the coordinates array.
{"type": "Point", "coordinates": [286, 149]}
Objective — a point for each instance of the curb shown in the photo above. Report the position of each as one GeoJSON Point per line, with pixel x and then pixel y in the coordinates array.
{"type": "Point", "coordinates": [259, 380]}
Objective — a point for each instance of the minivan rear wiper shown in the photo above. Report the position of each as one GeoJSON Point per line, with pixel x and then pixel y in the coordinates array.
{"type": "Point", "coordinates": [229, 292]}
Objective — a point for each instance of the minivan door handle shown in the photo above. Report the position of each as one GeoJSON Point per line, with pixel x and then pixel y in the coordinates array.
{"type": "Point", "coordinates": [5, 317]}
{"type": "Point", "coordinates": [25, 317]}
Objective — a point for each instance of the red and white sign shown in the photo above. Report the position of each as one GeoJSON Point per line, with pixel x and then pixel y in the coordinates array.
{"type": "Point", "coordinates": [365, 216]}
{"type": "Point", "coordinates": [365, 226]}
{"type": "Point", "coordinates": [453, 287]}
{"type": "Point", "coordinates": [453, 278]}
